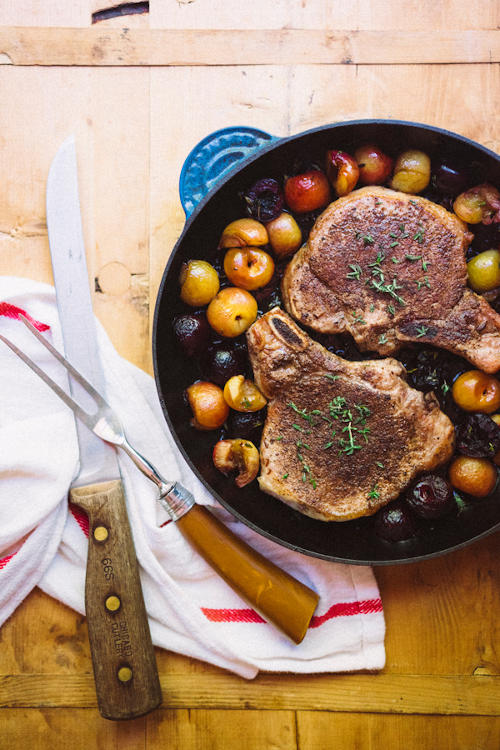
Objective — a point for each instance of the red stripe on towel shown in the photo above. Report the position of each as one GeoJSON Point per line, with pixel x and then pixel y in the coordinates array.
{"type": "Point", "coordinates": [80, 517]}
{"type": "Point", "coordinates": [342, 609]}
{"type": "Point", "coordinates": [11, 311]}
{"type": "Point", "coordinates": [5, 560]}
{"type": "Point", "coordinates": [347, 609]}
{"type": "Point", "coordinates": [232, 615]}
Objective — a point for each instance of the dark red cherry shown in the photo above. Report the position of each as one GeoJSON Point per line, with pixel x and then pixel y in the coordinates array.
{"type": "Point", "coordinates": [395, 523]}
{"type": "Point", "coordinates": [431, 497]}
{"type": "Point", "coordinates": [192, 333]}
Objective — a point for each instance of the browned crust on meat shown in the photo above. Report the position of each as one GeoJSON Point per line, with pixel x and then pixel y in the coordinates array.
{"type": "Point", "coordinates": [407, 431]}
{"type": "Point", "coordinates": [423, 248]}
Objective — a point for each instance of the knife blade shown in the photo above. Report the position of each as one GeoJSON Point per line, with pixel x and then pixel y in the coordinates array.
{"type": "Point", "coordinates": [126, 677]}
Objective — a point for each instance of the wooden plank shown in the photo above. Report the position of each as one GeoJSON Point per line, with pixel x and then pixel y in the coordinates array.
{"type": "Point", "coordinates": [39, 729]}
{"type": "Point", "coordinates": [367, 693]}
{"type": "Point", "coordinates": [462, 98]}
{"type": "Point", "coordinates": [63, 14]}
{"type": "Point", "coordinates": [421, 15]}
{"type": "Point", "coordinates": [99, 46]}
{"type": "Point", "coordinates": [54, 13]}
{"type": "Point", "coordinates": [204, 730]}
{"type": "Point", "coordinates": [327, 731]}
{"type": "Point", "coordinates": [108, 111]}
{"type": "Point", "coordinates": [199, 729]}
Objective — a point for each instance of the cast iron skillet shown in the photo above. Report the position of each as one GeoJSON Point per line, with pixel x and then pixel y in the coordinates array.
{"type": "Point", "coordinates": [349, 542]}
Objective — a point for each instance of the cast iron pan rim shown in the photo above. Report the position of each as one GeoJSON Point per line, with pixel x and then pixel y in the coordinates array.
{"type": "Point", "coordinates": [198, 209]}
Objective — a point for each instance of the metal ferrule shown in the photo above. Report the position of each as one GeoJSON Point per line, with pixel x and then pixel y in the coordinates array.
{"type": "Point", "coordinates": [176, 500]}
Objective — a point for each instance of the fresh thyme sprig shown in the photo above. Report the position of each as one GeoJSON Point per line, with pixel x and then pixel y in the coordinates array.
{"type": "Point", "coordinates": [425, 282]}
{"type": "Point", "coordinates": [353, 427]}
{"type": "Point", "coordinates": [306, 469]}
{"type": "Point", "coordinates": [421, 331]}
{"type": "Point", "coordinates": [355, 273]}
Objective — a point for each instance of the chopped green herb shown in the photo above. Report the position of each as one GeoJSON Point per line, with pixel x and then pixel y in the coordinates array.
{"type": "Point", "coordinates": [368, 239]}
{"type": "Point", "coordinates": [394, 244]}
{"type": "Point", "coordinates": [382, 339]}
{"type": "Point", "coordinates": [379, 286]}
{"type": "Point", "coordinates": [425, 282]}
{"type": "Point", "coordinates": [395, 260]}
{"type": "Point", "coordinates": [419, 235]}
{"type": "Point", "coordinates": [425, 265]}
{"type": "Point", "coordinates": [461, 504]}
{"type": "Point", "coordinates": [245, 402]}
{"type": "Point", "coordinates": [357, 318]}
{"type": "Point", "coordinates": [391, 309]}
{"type": "Point", "coordinates": [421, 331]}
{"type": "Point", "coordinates": [414, 203]}
{"type": "Point", "coordinates": [393, 235]}
{"type": "Point", "coordinates": [380, 464]}
{"type": "Point", "coordinates": [306, 469]}
{"type": "Point", "coordinates": [302, 412]}
{"type": "Point", "coordinates": [285, 476]}
{"type": "Point", "coordinates": [413, 258]}
{"type": "Point", "coordinates": [445, 388]}
{"type": "Point", "coordinates": [351, 425]}
{"type": "Point", "coordinates": [365, 431]}
{"type": "Point", "coordinates": [374, 494]}
{"type": "Point", "coordinates": [331, 377]}
{"type": "Point", "coordinates": [280, 437]}
{"type": "Point", "coordinates": [372, 308]}
{"type": "Point", "coordinates": [378, 260]}
{"type": "Point", "coordinates": [355, 273]}
{"type": "Point", "coordinates": [297, 427]}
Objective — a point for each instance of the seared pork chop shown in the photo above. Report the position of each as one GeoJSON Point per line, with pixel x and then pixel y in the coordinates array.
{"type": "Point", "coordinates": [341, 438]}
{"type": "Point", "coordinates": [389, 268]}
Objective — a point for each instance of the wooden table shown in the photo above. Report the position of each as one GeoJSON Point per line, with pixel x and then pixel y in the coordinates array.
{"type": "Point", "coordinates": [139, 91]}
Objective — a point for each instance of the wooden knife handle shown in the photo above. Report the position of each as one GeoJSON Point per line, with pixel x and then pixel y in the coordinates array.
{"type": "Point", "coordinates": [123, 657]}
{"type": "Point", "coordinates": [276, 595]}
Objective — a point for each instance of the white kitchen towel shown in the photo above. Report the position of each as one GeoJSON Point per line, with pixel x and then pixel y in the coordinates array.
{"type": "Point", "coordinates": [43, 541]}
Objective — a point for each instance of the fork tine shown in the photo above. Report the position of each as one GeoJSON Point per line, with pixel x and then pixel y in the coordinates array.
{"type": "Point", "coordinates": [81, 414]}
{"type": "Point", "coordinates": [74, 373]}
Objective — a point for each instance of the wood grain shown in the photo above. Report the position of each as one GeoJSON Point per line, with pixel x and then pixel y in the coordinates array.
{"type": "Point", "coordinates": [126, 678]}
{"type": "Point", "coordinates": [199, 729]}
{"type": "Point", "coordinates": [151, 47]}
{"type": "Point", "coordinates": [409, 732]}
{"type": "Point", "coordinates": [368, 693]}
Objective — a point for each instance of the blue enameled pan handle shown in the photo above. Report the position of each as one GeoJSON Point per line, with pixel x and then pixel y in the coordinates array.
{"type": "Point", "coordinates": [215, 156]}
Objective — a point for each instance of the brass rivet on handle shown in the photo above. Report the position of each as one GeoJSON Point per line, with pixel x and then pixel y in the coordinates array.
{"type": "Point", "coordinates": [112, 603]}
{"type": "Point", "coordinates": [101, 533]}
{"type": "Point", "coordinates": [124, 674]}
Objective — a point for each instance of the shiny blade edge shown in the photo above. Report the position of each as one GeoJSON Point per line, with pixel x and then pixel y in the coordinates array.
{"type": "Point", "coordinates": [98, 460]}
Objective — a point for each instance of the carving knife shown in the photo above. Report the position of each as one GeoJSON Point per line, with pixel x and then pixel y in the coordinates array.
{"type": "Point", "coordinates": [126, 677]}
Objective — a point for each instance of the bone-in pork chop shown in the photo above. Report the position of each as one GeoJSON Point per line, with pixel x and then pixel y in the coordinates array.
{"type": "Point", "coordinates": [341, 438]}
{"type": "Point", "coordinates": [389, 268]}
